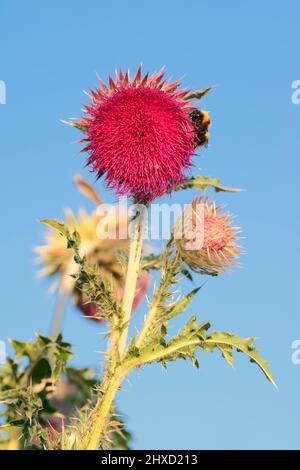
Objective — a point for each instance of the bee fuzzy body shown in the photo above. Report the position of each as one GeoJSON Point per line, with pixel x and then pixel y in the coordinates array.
{"type": "Point", "coordinates": [201, 122]}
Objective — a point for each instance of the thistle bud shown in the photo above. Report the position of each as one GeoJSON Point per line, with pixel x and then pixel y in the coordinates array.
{"type": "Point", "coordinates": [206, 239]}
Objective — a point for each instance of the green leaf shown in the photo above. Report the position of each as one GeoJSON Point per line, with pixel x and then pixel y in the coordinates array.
{"type": "Point", "coordinates": [181, 305]}
{"type": "Point", "coordinates": [183, 346]}
{"type": "Point", "coordinates": [151, 262]}
{"type": "Point", "coordinates": [195, 362]}
{"type": "Point", "coordinates": [132, 349]}
{"type": "Point", "coordinates": [17, 422]}
{"type": "Point", "coordinates": [188, 328]}
{"type": "Point", "coordinates": [198, 94]}
{"type": "Point", "coordinates": [43, 341]}
{"type": "Point", "coordinates": [193, 337]}
{"type": "Point", "coordinates": [40, 370]}
{"type": "Point", "coordinates": [225, 342]}
{"type": "Point", "coordinates": [203, 182]}
{"type": "Point", "coordinates": [187, 273]}
{"type": "Point", "coordinates": [19, 348]}
{"type": "Point", "coordinates": [62, 228]}
{"type": "Point", "coordinates": [26, 386]}
{"type": "Point", "coordinates": [162, 301]}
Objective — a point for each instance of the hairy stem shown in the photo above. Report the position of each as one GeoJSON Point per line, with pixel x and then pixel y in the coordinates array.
{"type": "Point", "coordinates": [115, 371]}
{"type": "Point", "coordinates": [101, 414]}
{"type": "Point", "coordinates": [170, 269]}
{"type": "Point", "coordinates": [132, 274]}
{"type": "Point", "coordinates": [148, 323]}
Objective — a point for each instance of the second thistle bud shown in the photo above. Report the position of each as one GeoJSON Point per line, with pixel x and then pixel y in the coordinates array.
{"type": "Point", "coordinates": [206, 239]}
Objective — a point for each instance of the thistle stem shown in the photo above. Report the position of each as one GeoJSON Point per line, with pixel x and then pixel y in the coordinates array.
{"type": "Point", "coordinates": [101, 413]}
{"type": "Point", "coordinates": [116, 372]}
{"type": "Point", "coordinates": [59, 313]}
{"type": "Point", "coordinates": [148, 322]}
{"type": "Point", "coordinates": [132, 274]}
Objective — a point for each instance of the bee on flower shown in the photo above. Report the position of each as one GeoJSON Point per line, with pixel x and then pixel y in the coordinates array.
{"type": "Point", "coordinates": [141, 133]}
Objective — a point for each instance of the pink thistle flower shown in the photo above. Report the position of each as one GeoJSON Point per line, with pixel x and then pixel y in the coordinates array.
{"type": "Point", "coordinates": [140, 134]}
{"type": "Point", "coordinates": [208, 242]}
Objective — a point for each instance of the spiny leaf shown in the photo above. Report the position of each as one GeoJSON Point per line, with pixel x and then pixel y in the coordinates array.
{"type": "Point", "coordinates": [224, 341]}
{"type": "Point", "coordinates": [152, 262]}
{"type": "Point", "coordinates": [202, 183]}
{"type": "Point", "coordinates": [19, 348]}
{"type": "Point", "coordinates": [44, 353]}
{"type": "Point", "coordinates": [195, 362]}
{"type": "Point", "coordinates": [193, 337]}
{"type": "Point", "coordinates": [181, 305]}
{"type": "Point", "coordinates": [161, 301]}
{"type": "Point", "coordinates": [187, 273]}
{"type": "Point", "coordinates": [132, 349]}
{"type": "Point", "coordinates": [189, 327]}
{"type": "Point", "coordinates": [183, 346]}
{"type": "Point", "coordinates": [198, 94]}
{"type": "Point", "coordinates": [227, 353]}
{"type": "Point", "coordinates": [62, 228]}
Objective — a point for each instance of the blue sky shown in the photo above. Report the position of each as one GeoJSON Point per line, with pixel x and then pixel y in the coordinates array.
{"type": "Point", "coordinates": [50, 52]}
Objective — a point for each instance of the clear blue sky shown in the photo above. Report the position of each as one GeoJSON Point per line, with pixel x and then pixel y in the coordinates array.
{"type": "Point", "coordinates": [50, 52]}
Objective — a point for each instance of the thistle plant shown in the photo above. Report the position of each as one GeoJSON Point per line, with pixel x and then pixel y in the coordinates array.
{"type": "Point", "coordinates": [140, 134]}
{"type": "Point", "coordinates": [57, 259]}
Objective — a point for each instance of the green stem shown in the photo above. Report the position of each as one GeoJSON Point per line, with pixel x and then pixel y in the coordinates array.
{"type": "Point", "coordinates": [115, 370]}
{"type": "Point", "coordinates": [133, 269]}
{"type": "Point", "coordinates": [170, 269]}
{"type": "Point", "coordinates": [148, 323]}
{"type": "Point", "coordinates": [102, 410]}
{"type": "Point", "coordinates": [59, 313]}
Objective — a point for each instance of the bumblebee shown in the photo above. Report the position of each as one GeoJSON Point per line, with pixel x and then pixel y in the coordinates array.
{"type": "Point", "coordinates": [201, 122]}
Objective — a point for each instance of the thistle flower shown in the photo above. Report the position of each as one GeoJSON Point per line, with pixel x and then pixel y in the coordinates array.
{"type": "Point", "coordinates": [206, 238]}
{"type": "Point", "coordinates": [141, 133]}
{"type": "Point", "coordinates": [57, 259]}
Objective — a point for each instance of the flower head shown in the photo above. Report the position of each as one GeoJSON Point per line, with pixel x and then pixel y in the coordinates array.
{"type": "Point", "coordinates": [140, 134]}
{"type": "Point", "coordinates": [105, 253]}
{"type": "Point", "coordinates": [206, 238]}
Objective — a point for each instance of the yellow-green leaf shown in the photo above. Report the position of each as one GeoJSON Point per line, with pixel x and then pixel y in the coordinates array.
{"type": "Point", "coordinates": [202, 183]}
{"type": "Point", "coordinates": [198, 94]}
{"type": "Point", "coordinates": [223, 341]}
{"type": "Point", "coordinates": [180, 306]}
{"type": "Point", "coordinates": [62, 228]}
